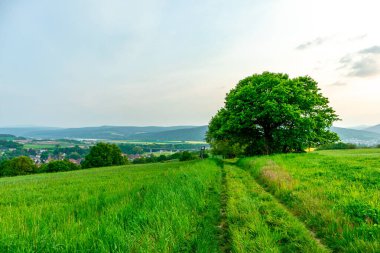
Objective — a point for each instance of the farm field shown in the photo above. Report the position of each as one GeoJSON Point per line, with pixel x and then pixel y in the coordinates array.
{"type": "Point", "coordinates": [322, 201]}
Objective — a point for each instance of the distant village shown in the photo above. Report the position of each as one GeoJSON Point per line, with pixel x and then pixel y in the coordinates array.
{"type": "Point", "coordinates": [44, 151]}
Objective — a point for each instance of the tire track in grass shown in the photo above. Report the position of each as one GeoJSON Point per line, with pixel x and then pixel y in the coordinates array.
{"type": "Point", "coordinates": [272, 174]}
{"type": "Point", "coordinates": [257, 222]}
{"type": "Point", "coordinates": [224, 237]}
{"type": "Point", "coordinates": [327, 190]}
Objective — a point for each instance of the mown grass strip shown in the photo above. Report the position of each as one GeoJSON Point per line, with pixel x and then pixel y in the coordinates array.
{"type": "Point", "coordinates": [144, 208]}
{"type": "Point", "coordinates": [258, 223]}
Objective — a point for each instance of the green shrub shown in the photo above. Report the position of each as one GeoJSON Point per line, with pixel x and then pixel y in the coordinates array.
{"type": "Point", "coordinates": [338, 145]}
{"type": "Point", "coordinates": [139, 160]}
{"type": "Point", "coordinates": [17, 166]}
{"type": "Point", "coordinates": [186, 156]}
{"type": "Point", "coordinates": [161, 158]}
{"type": "Point", "coordinates": [56, 166]}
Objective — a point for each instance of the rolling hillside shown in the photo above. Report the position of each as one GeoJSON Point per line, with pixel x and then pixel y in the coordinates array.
{"type": "Point", "coordinates": [278, 203]}
{"type": "Point", "coordinates": [173, 133]}
{"type": "Point", "coordinates": [166, 207]}
{"type": "Point", "coordinates": [369, 136]}
{"type": "Point", "coordinates": [357, 136]}
{"type": "Point", "coordinates": [26, 131]}
{"type": "Point", "coordinates": [375, 129]}
{"type": "Point", "coordinates": [193, 134]}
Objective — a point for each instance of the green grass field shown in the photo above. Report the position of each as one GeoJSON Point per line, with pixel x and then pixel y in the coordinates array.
{"type": "Point", "coordinates": [258, 223]}
{"type": "Point", "coordinates": [325, 201]}
{"type": "Point", "coordinates": [149, 208]}
{"type": "Point", "coordinates": [40, 146]}
{"type": "Point", "coordinates": [336, 194]}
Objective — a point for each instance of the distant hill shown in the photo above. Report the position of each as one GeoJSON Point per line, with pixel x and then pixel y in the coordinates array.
{"type": "Point", "coordinates": [360, 137]}
{"type": "Point", "coordinates": [24, 131]}
{"type": "Point", "coordinates": [359, 127]}
{"type": "Point", "coordinates": [188, 134]}
{"type": "Point", "coordinates": [375, 129]}
{"type": "Point", "coordinates": [370, 136]}
{"type": "Point", "coordinates": [173, 133]}
{"type": "Point", "coordinates": [7, 137]}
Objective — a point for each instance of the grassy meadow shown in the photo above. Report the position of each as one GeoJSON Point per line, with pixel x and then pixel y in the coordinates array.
{"type": "Point", "coordinates": [142, 208]}
{"type": "Point", "coordinates": [336, 194]}
{"type": "Point", "coordinates": [322, 201]}
{"type": "Point", "coordinates": [258, 223]}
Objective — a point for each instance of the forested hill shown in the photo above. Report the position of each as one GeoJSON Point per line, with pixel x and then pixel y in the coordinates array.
{"type": "Point", "coordinates": [362, 137]}
{"type": "Point", "coordinates": [149, 133]}
{"type": "Point", "coordinates": [375, 129]}
{"type": "Point", "coordinates": [155, 133]}
{"type": "Point", "coordinates": [188, 134]}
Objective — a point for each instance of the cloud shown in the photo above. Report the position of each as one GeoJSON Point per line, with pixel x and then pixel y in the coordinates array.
{"type": "Point", "coordinates": [364, 67]}
{"type": "Point", "coordinates": [359, 37]}
{"type": "Point", "coordinates": [345, 59]}
{"type": "Point", "coordinates": [338, 83]}
{"type": "Point", "coordinates": [371, 50]}
{"type": "Point", "coordinates": [363, 63]}
{"type": "Point", "coordinates": [316, 42]}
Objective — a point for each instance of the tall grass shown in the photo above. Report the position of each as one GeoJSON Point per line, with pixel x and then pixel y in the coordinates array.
{"type": "Point", "coordinates": [335, 193]}
{"type": "Point", "coordinates": [143, 208]}
{"type": "Point", "coordinates": [199, 206]}
{"type": "Point", "coordinates": [258, 223]}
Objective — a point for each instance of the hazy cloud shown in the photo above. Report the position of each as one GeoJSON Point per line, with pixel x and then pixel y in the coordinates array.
{"type": "Point", "coordinates": [95, 62]}
{"type": "Point", "coordinates": [364, 63]}
{"type": "Point", "coordinates": [371, 50]}
{"type": "Point", "coordinates": [364, 67]}
{"type": "Point", "coordinates": [338, 83]}
{"type": "Point", "coordinates": [345, 59]}
{"type": "Point", "coordinates": [316, 42]}
{"type": "Point", "coordinates": [360, 37]}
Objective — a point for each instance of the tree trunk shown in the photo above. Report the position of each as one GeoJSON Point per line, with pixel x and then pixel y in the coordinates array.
{"type": "Point", "coordinates": [268, 141]}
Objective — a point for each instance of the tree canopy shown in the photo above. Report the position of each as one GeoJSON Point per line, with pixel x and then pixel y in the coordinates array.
{"type": "Point", "coordinates": [21, 165]}
{"type": "Point", "coordinates": [103, 154]}
{"type": "Point", "coordinates": [272, 113]}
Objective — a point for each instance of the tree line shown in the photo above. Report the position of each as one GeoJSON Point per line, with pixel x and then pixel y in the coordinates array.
{"type": "Point", "coordinates": [100, 155]}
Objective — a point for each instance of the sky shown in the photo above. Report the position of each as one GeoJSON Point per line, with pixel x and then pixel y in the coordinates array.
{"type": "Point", "coordinates": [73, 63]}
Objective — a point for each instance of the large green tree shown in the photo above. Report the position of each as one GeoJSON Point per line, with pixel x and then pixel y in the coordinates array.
{"type": "Point", "coordinates": [103, 154]}
{"type": "Point", "coordinates": [272, 113]}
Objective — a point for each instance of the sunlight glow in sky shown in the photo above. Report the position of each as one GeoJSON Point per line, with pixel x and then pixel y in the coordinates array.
{"type": "Point", "coordinates": [72, 63]}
